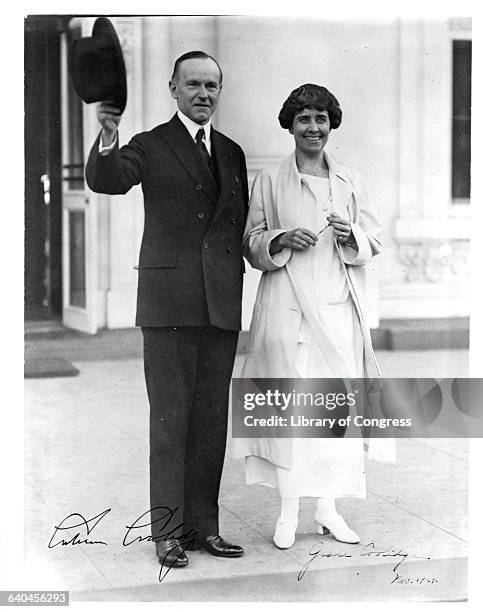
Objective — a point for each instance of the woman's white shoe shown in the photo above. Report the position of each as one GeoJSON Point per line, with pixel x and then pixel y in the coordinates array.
{"type": "Point", "coordinates": [284, 536]}
{"type": "Point", "coordinates": [337, 527]}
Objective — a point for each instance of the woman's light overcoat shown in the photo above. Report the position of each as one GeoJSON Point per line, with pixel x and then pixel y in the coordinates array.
{"type": "Point", "coordinates": [281, 302]}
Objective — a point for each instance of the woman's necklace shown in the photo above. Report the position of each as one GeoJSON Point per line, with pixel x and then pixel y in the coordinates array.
{"type": "Point", "coordinates": [313, 171]}
{"type": "Point", "coordinates": [327, 205]}
{"type": "Point", "coordinates": [316, 171]}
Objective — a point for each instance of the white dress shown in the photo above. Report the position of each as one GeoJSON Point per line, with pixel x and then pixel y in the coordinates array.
{"type": "Point", "coordinates": [321, 467]}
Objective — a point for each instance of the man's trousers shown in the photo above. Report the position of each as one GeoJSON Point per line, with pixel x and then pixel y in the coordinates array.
{"type": "Point", "coordinates": [188, 372]}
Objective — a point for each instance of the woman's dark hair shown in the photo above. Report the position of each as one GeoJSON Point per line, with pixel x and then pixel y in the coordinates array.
{"type": "Point", "coordinates": [310, 96]}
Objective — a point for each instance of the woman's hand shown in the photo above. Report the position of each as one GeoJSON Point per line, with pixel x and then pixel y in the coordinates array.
{"type": "Point", "coordinates": [298, 239]}
{"type": "Point", "coordinates": [342, 229]}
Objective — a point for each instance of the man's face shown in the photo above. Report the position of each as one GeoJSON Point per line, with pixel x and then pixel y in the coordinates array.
{"type": "Point", "coordinates": [196, 88]}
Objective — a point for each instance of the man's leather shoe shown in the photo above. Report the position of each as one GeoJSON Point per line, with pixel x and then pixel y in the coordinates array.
{"type": "Point", "coordinates": [170, 553]}
{"type": "Point", "coordinates": [219, 547]}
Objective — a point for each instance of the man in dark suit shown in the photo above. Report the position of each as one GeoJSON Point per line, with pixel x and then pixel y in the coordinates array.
{"type": "Point", "coordinates": [189, 297]}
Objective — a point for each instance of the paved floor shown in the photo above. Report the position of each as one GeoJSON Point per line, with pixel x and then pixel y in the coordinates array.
{"type": "Point", "coordinates": [86, 452]}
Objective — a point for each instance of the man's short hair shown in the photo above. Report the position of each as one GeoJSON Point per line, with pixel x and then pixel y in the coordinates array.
{"type": "Point", "coordinates": [310, 96]}
{"type": "Point", "coordinates": [193, 55]}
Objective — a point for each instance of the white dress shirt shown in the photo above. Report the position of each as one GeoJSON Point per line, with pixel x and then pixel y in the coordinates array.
{"type": "Point", "coordinates": [193, 128]}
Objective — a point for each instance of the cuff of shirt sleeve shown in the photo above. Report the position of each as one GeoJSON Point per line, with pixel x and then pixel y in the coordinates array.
{"type": "Point", "coordinates": [106, 150]}
{"type": "Point", "coordinates": [277, 260]}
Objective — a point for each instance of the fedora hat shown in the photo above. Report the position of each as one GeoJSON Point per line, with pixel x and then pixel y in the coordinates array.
{"type": "Point", "coordinates": [97, 68]}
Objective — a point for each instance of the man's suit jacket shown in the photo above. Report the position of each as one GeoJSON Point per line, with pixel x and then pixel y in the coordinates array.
{"type": "Point", "coordinates": [190, 264]}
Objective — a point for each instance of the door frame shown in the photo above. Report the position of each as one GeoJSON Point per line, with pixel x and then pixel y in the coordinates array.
{"type": "Point", "coordinates": [83, 319]}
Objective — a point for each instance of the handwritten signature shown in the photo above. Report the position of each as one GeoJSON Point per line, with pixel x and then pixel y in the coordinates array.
{"type": "Point", "coordinates": [164, 517]}
{"type": "Point", "coordinates": [75, 522]}
{"type": "Point", "coordinates": [369, 550]}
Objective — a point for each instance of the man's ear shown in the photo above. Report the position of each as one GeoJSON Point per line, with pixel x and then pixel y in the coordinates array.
{"type": "Point", "coordinates": [172, 89]}
{"type": "Point", "coordinates": [290, 130]}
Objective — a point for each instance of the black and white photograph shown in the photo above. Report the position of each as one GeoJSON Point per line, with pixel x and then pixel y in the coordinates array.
{"type": "Point", "coordinates": [214, 198]}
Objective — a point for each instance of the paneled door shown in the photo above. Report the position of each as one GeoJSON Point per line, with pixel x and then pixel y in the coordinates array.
{"type": "Point", "coordinates": [78, 219]}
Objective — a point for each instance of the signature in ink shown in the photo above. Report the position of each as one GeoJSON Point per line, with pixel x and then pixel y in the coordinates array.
{"type": "Point", "coordinates": [76, 521]}
{"type": "Point", "coordinates": [165, 529]}
{"type": "Point", "coordinates": [370, 550]}
{"type": "Point", "coordinates": [314, 553]}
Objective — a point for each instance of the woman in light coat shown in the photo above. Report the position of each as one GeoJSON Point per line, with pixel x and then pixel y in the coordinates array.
{"type": "Point", "coordinates": [311, 229]}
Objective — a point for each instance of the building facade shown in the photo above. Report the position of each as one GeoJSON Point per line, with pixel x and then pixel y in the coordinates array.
{"type": "Point", "coordinates": [404, 88]}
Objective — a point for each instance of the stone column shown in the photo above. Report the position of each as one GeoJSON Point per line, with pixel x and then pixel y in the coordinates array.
{"type": "Point", "coordinates": [432, 243]}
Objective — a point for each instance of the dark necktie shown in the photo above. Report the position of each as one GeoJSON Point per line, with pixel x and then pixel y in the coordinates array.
{"type": "Point", "coordinates": [202, 148]}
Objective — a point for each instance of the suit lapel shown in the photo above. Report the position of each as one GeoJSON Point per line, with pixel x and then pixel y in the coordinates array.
{"type": "Point", "coordinates": [182, 145]}
{"type": "Point", "coordinates": [223, 158]}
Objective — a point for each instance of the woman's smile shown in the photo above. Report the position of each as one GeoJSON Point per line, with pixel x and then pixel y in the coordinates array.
{"type": "Point", "coordinates": [311, 138]}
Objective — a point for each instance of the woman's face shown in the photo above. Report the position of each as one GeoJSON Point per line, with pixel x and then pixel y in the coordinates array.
{"type": "Point", "coordinates": [310, 128]}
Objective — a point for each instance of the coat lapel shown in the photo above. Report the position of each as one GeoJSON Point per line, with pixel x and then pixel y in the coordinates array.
{"type": "Point", "coordinates": [185, 150]}
{"type": "Point", "coordinates": [289, 193]}
{"type": "Point", "coordinates": [289, 190]}
{"type": "Point", "coordinates": [340, 187]}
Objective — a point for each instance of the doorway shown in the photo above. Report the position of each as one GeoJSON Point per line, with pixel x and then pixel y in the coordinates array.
{"type": "Point", "coordinates": [43, 193]}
